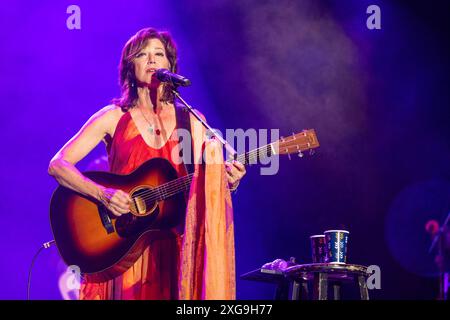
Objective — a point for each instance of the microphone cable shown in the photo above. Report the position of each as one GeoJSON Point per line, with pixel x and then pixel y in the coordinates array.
{"type": "Point", "coordinates": [45, 245]}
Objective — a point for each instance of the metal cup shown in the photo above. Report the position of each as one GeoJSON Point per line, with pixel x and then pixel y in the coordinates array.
{"type": "Point", "coordinates": [336, 246]}
{"type": "Point", "coordinates": [318, 248]}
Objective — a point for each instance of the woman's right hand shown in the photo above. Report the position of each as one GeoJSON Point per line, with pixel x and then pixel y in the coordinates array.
{"type": "Point", "coordinates": [117, 201]}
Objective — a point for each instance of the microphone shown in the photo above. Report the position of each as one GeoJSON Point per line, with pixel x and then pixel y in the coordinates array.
{"type": "Point", "coordinates": [165, 75]}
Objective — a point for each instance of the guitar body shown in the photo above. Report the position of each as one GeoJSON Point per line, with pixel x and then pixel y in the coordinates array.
{"type": "Point", "coordinates": [102, 245]}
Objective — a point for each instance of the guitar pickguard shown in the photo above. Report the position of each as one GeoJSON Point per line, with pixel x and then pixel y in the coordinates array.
{"type": "Point", "coordinates": [129, 225]}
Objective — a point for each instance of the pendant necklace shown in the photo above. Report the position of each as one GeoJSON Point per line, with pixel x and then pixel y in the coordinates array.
{"type": "Point", "coordinates": [151, 129]}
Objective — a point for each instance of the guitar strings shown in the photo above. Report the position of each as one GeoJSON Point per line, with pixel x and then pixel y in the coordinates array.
{"type": "Point", "coordinates": [166, 190]}
{"type": "Point", "coordinates": [172, 187]}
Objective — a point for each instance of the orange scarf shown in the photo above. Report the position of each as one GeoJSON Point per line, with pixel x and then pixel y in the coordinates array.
{"type": "Point", "coordinates": [207, 262]}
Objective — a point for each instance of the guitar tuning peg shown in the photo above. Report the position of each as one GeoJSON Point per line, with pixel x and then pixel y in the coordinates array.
{"type": "Point", "coordinates": [289, 156]}
{"type": "Point", "coordinates": [311, 152]}
{"type": "Point", "coordinates": [300, 154]}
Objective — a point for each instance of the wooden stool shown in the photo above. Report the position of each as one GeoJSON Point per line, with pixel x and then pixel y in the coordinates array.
{"type": "Point", "coordinates": [324, 274]}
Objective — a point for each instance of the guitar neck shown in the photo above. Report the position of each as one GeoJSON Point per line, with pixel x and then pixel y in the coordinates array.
{"type": "Point", "coordinates": [253, 156]}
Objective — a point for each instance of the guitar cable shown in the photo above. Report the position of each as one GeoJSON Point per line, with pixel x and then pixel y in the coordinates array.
{"type": "Point", "coordinates": [45, 245]}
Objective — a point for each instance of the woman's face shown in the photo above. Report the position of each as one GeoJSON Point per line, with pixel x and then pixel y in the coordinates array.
{"type": "Point", "coordinates": [151, 58]}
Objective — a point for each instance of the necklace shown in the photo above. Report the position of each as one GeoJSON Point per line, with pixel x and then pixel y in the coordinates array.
{"type": "Point", "coordinates": [151, 128]}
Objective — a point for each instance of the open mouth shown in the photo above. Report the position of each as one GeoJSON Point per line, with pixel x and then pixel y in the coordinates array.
{"type": "Point", "coordinates": [151, 70]}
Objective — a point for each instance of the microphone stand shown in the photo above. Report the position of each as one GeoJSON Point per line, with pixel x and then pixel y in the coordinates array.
{"type": "Point", "coordinates": [227, 146]}
{"type": "Point", "coordinates": [440, 238]}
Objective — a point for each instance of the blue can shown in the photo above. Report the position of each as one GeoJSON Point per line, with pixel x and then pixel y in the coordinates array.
{"type": "Point", "coordinates": [318, 248]}
{"type": "Point", "coordinates": [336, 246]}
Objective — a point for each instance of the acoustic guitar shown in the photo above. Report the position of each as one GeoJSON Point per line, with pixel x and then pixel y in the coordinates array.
{"type": "Point", "coordinates": [104, 246]}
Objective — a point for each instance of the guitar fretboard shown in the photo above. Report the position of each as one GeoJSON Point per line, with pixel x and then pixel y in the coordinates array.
{"type": "Point", "coordinates": [253, 156]}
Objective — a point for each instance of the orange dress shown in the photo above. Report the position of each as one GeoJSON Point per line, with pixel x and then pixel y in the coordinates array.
{"type": "Point", "coordinates": [199, 264]}
{"type": "Point", "coordinates": [155, 273]}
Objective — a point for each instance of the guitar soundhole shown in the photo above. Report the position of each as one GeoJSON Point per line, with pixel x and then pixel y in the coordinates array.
{"type": "Point", "coordinates": [144, 201]}
{"type": "Point", "coordinates": [144, 211]}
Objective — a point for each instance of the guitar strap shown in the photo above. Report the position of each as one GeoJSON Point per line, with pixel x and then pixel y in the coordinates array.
{"type": "Point", "coordinates": [184, 122]}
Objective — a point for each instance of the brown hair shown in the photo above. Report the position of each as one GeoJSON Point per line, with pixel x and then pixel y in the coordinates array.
{"type": "Point", "coordinates": [127, 78]}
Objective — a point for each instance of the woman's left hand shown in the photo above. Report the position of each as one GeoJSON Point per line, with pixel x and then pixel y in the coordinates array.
{"type": "Point", "coordinates": [235, 172]}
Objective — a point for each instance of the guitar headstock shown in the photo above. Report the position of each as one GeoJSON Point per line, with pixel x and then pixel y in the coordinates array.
{"type": "Point", "coordinates": [296, 143]}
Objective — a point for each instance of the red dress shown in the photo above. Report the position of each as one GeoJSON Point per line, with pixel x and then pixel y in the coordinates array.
{"type": "Point", "coordinates": [155, 273]}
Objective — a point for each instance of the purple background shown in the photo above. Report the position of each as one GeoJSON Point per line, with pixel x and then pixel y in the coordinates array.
{"type": "Point", "coordinates": [378, 100]}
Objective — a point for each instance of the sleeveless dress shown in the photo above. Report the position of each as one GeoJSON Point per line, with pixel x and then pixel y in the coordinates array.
{"type": "Point", "coordinates": [155, 274]}
{"type": "Point", "coordinates": [200, 263]}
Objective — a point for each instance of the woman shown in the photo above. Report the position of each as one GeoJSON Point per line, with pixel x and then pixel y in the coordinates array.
{"type": "Point", "coordinates": [138, 126]}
